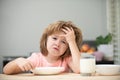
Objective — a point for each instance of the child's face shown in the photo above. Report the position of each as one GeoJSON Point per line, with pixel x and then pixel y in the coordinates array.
{"type": "Point", "coordinates": [56, 44]}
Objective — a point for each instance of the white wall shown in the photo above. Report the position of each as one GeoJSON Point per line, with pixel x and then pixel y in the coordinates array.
{"type": "Point", "coordinates": [23, 21]}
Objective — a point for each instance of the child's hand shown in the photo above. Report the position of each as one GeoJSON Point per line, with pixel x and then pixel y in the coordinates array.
{"type": "Point", "coordinates": [69, 34]}
{"type": "Point", "coordinates": [24, 64]}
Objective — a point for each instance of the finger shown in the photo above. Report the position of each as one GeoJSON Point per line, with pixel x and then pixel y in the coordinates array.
{"type": "Point", "coordinates": [65, 31]}
{"type": "Point", "coordinates": [29, 66]}
{"type": "Point", "coordinates": [26, 68]}
{"type": "Point", "coordinates": [22, 68]}
{"type": "Point", "coordinates": [32, 66]}
{"type": "Point", "coordinates": [68, 29]}
{"type": "Point", "coordinates": [71, 29]}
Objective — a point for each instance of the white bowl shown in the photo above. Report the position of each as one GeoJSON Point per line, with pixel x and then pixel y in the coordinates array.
{"type": "Point", "coordinates": [48, 70]}
{"type": "Point", "coordinates": [108, 69]}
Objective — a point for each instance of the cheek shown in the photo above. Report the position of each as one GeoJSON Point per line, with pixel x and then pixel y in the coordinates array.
{"type": "Point", "coordinates": [49, 41]}
{"type": "Point", "coordinates": [48, 44]}
{"type": "Point", "coordinates": [64, 48]}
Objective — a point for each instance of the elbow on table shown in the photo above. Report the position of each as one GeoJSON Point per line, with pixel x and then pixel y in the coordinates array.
{"type": "Point", "coordinates": [76, 71]}
{"type": "Point", "coordinates": [6, 71]}
{"type": "Point", "coordinates": [10, 71]}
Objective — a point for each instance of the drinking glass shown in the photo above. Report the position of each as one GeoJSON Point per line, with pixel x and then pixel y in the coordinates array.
{"type": "Point", "coordinates": [87, 65]}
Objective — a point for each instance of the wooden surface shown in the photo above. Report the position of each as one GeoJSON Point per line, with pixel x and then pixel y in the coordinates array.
{"type": "Point", "coordinates": [63, 76]}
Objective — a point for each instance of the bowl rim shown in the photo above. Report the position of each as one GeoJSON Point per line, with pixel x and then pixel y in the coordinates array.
{"type": "Point", "coordinates": [48, 70]}
{"type": "Point", "coordinates": [38, 68]}
{"type": "Point", "coordinates": [108, 65]}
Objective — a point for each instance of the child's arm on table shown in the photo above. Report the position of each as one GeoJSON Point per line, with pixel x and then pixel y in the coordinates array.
{"type": "Point", "coordinates": [16, 66]}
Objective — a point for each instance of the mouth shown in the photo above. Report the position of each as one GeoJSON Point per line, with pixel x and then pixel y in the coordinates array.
{"type": "Point", "coordinates": [56, 49]}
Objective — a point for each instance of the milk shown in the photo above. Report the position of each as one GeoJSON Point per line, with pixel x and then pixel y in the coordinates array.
{"type": "Point", "coordinates": [87, 65]}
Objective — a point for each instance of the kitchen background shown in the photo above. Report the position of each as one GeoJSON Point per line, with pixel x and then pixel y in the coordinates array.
{"type": "Point", "coordinates": [22, 22]}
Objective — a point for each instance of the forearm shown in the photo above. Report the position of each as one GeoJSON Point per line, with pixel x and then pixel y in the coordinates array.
{"type": "Point", "coordinates": [11, 68]}
{"type": "Point", "coordinates": [75, 56]}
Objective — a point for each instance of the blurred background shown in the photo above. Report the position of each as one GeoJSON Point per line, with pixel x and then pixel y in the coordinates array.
{"type": "Point", "coordinates": [22, 22]}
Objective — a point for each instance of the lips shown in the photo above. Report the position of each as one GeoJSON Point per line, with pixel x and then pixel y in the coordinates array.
{"type": "Point", "coordinates": [56, 48]}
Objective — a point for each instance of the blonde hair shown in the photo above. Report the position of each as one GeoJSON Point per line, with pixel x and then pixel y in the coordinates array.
{"type": "Point", "coordinates": [57, 27]}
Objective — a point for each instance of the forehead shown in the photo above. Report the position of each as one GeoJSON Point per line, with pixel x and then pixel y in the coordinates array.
{"type": "Point", "coordinates": [59, 34]}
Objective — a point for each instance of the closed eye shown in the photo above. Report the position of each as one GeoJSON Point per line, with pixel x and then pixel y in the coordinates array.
{"type": "Point", "coordinates": [64, 42]}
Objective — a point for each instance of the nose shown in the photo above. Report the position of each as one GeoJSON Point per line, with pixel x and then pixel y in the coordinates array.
{"type": "Point", "coordinates": [57, 43]}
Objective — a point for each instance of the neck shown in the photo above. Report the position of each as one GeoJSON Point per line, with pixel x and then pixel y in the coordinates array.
{"type": "Point", "coordinates": [52, 59]}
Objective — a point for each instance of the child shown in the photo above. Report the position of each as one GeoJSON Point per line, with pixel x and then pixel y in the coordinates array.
{"type": "Point", "coordinates": [60, 47]}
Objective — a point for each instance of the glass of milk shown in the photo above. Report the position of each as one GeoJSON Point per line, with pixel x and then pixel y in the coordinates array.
{"type": "Point", "coordinates": [87, 64]}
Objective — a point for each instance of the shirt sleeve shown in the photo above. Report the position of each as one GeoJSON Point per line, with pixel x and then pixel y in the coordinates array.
{"type": "Point", "coordinates": [34, 59]}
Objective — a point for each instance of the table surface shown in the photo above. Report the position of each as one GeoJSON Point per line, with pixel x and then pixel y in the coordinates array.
{"type": "Point", "coordinates": [62, 76]}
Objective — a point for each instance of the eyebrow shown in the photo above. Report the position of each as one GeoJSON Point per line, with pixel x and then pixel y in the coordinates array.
{"type": "Point", "coordinates": [56, 35]}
